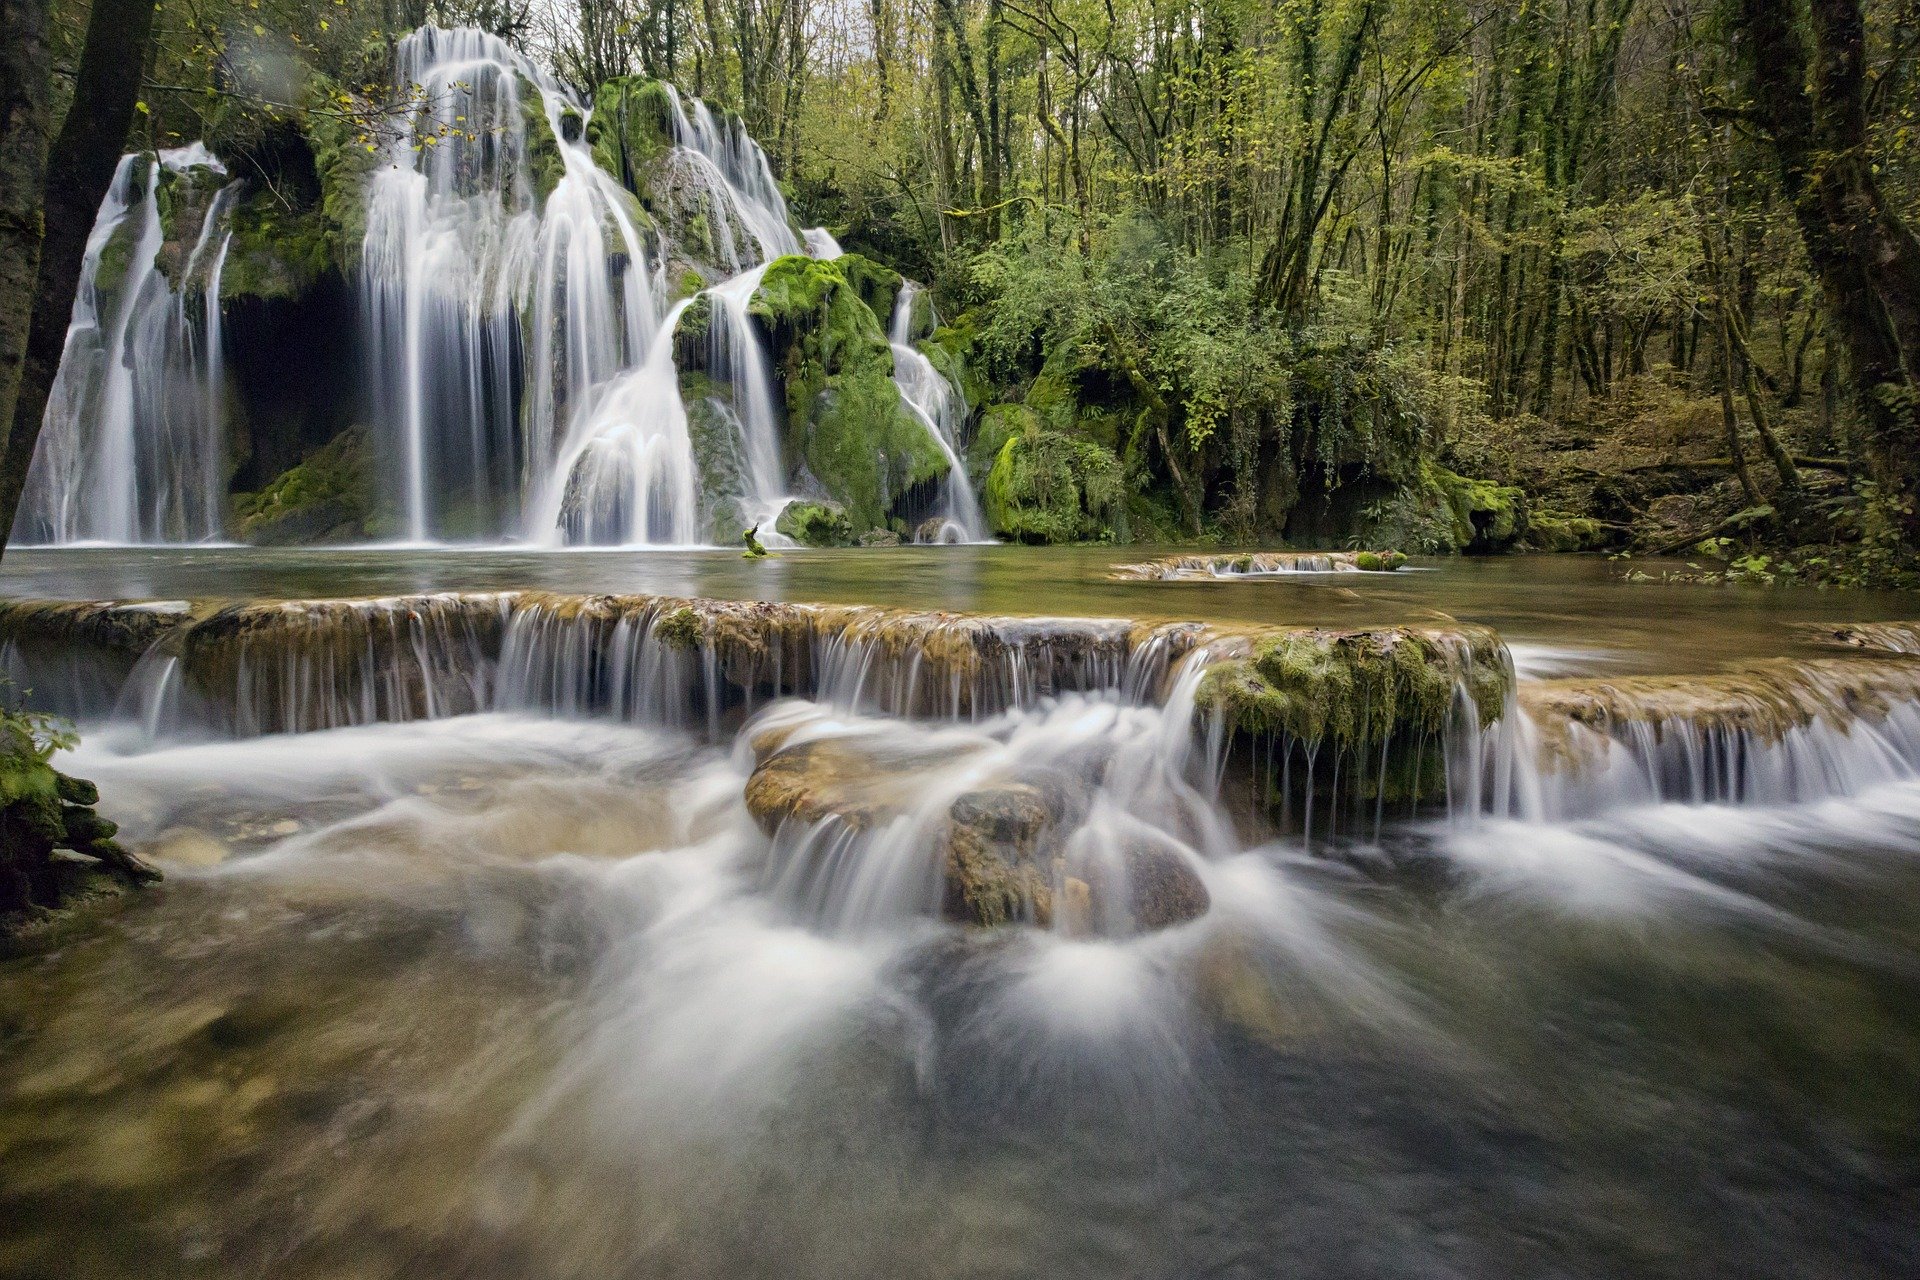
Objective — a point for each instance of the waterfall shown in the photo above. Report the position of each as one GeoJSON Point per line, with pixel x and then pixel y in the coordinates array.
{"type": "Point", "coordinates": [625, 473]}
{"type": "Point", "coordinates": [733, 171]}
{"type": "Point", "coordinates": [940, 407]}
{"type": "Point", "coordinates": [133, 446]}
{"type": "Point", "coordinates": [495, 316]}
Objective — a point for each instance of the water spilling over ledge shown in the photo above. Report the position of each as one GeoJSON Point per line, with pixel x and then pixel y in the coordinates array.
{"type": "Point", "coordinates": [1185, 568]}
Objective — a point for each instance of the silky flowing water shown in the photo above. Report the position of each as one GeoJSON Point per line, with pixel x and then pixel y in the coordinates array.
{"type": "Point", "coordinates": [529, 993]}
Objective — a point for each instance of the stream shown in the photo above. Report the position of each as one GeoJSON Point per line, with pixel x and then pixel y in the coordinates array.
{"type": "Point", "coordinates": [517, 984]}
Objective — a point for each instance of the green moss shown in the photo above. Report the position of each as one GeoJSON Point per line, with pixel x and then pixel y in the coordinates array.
{"type": "Point", "coordinates": [1552, 531]}
{"type": "Point", "coordinates": [631, 128]}
{"type": "Point", "coordinates": [845, 418]}
{"type": "Point", "coordinates": [679, 629]}
{"type": "Point", "coordinates": [1439, 512]}
{"type": "Point", "coordinates": [815, 524]}
{"type": "Point", "coordinates": [544, 159]}
{"type": "Point", "coordinates": [1046, 486]}
{"type": "Point", "coordinates": [998, 423]}
{"type": "Point", "coordinates": [275, 253]}
{"type": "Point", "coordinates": [1358, 688]}
{"type": "Point", "coordinates": [876, 285]}
{"type": "Point", "coordinates": [328, 497]}
{"type": "Point", "coordinates": [1379, 561]}
{"type": "Point", "coordinates": [345, 158]}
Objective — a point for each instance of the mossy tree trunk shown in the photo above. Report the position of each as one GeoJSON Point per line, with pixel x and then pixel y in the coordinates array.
{"type": "Point", "coordinates": [1812, 103]}
{"type": "Point", "coordinates": [78, 170]}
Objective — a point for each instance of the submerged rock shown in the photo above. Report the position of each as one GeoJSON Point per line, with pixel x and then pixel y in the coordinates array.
{"type": "Point", "coordinates": [1255, 563]}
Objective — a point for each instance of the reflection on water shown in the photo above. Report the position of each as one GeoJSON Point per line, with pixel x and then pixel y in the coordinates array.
{"type": "Point", "coordinates": [511, 996]}
{"type": "Point", "coordinates": [1575, 603]}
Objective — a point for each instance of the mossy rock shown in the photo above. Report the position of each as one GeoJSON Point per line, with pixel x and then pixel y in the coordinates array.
{"type": "Point", "coordinates": [275, 253]}
{"type": "Point", "coordinates": [717, 456]}
{"type": "Point", "coordinates": [815, 524]}
{"type": "Point", "coordinates": [545, 163]}
{"type": "Point", "coordinates": [877, 286]}
{"type": "Point", "coordinates": [1553, 531]}
{"type": "Point", "coordinates": [631, 128]}
{"type": "Point", "coordinates": [1378, 561]}
{"type": "Point", "coordinates": [43, 811]}
{"type": "Point", "coordinates": [998, 424]}
{"type": "Point", "coordinates": [845, 418]}
{"type": "Point", "coordinates": [1356, 715]}
{"type": "Point", "coordinates": [1440, 512]}
{"type": "Point", "coordinates": [1047, 486]}
{"type": "Point", "coordinates": [328, 497]}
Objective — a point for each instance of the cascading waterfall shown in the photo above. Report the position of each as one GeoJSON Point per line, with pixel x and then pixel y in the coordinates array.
{"type": "Point", "coordinates": [733, 172]}
{"type": "Point", "coordinates": [521, 379]}
{"type": "Point", "coordinates": [460, 245]}
{"type": "Point", "coordinates": [939, 406]}
{"type": "Point", "coordinates": [133, 449]}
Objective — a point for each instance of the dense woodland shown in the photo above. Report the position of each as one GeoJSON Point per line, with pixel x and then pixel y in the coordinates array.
{"type": "Point", "coordinates": [1437, 274]}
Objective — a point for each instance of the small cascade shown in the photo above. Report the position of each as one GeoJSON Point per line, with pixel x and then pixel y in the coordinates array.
{"type": "Point", "coordinates": [940, 407]}
{"type": "Point", "coordinates": [625, 472]}
{"type": "Point", "coordinates": [1770, 733]}
{"type": "Point", "coordinates": [134, 445]}
{"type": "Point", "coordinates": [1084, 813]}
{"type": "Point", "coordinates": [738, 356]}
{"type": "Point", "coordinates": [732, 174]}
{"type": "Point", "coordinates": [505, 281]}
{"type": "Point", "coordinates": [820, 243]}
{"type": "Point", "coordinates": [1248, 565]}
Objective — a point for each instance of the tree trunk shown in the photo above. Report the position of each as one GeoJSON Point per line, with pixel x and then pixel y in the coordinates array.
{"type": "Point", "coordinates": [1863, 253]}
{"type": "Point", "coordinates": [25, 123]}
{"type": "Point", "coordinates": [79, 169]}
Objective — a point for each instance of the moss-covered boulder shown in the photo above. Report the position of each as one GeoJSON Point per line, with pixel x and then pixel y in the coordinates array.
{"type": "Point", "coordinates": [42, 812]}
{"type": "Point", "coordinates": [1047, 486]}
{"type": "Point", "coordinates": [1358, 714]}
{"type": "Point", "coordinates": [815, 524]}
{"type": "Point", "coordinates": [877, 286]}
{"type": "Point", "coordinates": [631, 129]}
{"type": "Point", "coordinates": [846, 422]}
{"type": "Point", "coordinates": [1439, 512]}
{"type": "Point", "coordinates": [328, 497]}
{"type": "Point", "coordinates": [1554, 531]}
